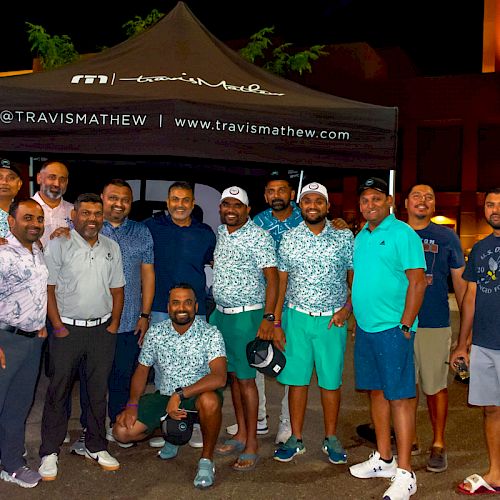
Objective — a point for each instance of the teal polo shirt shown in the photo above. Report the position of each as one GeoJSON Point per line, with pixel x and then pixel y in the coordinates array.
{"type": "Point", "coordinates": [381, 258]}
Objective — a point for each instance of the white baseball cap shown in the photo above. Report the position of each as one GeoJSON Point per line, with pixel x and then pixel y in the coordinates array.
{"type": "Point", "coordinates": [235, 192]}
{"type": "Point", "coordinates": [314, 187]}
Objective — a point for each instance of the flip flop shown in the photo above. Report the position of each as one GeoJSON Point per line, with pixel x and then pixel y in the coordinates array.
{"type": "Point", "coordinates": [233, 446]}
{"type": "Point", "coordinates": [478, 486]}
{"type": "Point", "coordinates": [253, 458]}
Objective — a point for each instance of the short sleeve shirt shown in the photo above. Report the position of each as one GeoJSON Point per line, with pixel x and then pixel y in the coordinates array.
{"type": "Point", "coordinates": [483, 268]}
{"type": "Point", "coordinates": [181, 360]}
{"type": "Point", "coordinates": [443, 252]}
{"type": "Point", "coordinates": [4, 226]}
{"type": "Point", "coordinates": [277, 228]}
{"type": "Point", "coordinates": [23, 286]}
{"type": "Point", "coordinates": [381, 258]}
{"type": "Point", "coordinates": [136, 246]}
{"type": "Point", "coordinates": [83, 275]}
{"type": "Point", "coordinates": [239, 258]}
{"type": "Point", "coordinates": [59, 216]}
{"type": "Point", "coordinates": [317, 266]}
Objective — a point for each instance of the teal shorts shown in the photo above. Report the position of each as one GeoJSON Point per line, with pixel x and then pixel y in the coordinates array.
{"type": "Point", "coordinates": [310, 344]}
{"type": "Point", "coordinates": [153, 406]}
{"type": "Point", "coordinates": [238, 330]}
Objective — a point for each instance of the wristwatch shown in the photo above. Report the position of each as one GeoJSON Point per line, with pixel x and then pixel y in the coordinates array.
{"type": "Point", "coordinates": [269, 316]}
{"type": "Point", "coordinates": [180, 392]}
{"type": "Point", "coordinates": [405, 328]}
{"type": "Point", "coordinates": [145, 315]}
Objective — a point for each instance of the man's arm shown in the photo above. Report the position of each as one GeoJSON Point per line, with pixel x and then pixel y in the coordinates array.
{"type": "Point", "coordinates": [459, 285]}
{"type": "Point", "coordinates": [414, 295]}
{"type": "Point", "coordinates": [128, 416]}
{"type": "Point", "coordinates": [266, 328]}
{"type": "Point", "coordinates": [216, 379]}
{"type": "Point", "coordinates": [466, 321]}
{"type": "Point", "coordinates": [116, 312]}
{"type": "Point", "coordinates": [148, 293]}
{"type": "Point", "coordinates": [340, 317]}
{"type": "Point", "coordinates": [279, 334]}
{"type": "Point", "coordinates": [2, 358]}
{"type": "Point", "coordinates": [59, 330]}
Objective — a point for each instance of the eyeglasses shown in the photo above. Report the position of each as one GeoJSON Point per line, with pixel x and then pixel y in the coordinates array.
{"type": "Point", "coordinates": [422, 196]}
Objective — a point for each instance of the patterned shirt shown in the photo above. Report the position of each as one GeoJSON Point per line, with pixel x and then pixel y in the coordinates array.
{"type": "Point", "coordinates": [23, 286]}
{"type": "Point", "coordinates": [136, 245]}
{"type": "Point", "coordinates": [178, 359]}
{"type": "Point", "coordinates": [277, 228]}
{"type": "Point", "coordinates": [4, 226]}
{"type": "Point", "coordinates": [239, 258]}
{"type": "Point", "coordinates": [317, 266]}
{"type": "Point", "coordinates": [59, 216]}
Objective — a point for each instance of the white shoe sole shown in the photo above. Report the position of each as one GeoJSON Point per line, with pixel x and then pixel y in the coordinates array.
{"type": "Point", "coordinates": [9, 479]}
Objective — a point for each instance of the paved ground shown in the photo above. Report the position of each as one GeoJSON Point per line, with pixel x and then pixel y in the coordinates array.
{"type": "Point", "coordinates": [143, 475]}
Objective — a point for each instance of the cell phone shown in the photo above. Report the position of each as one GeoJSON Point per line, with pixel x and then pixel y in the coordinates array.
{"type": "Point", "coordinates": [462, 369]}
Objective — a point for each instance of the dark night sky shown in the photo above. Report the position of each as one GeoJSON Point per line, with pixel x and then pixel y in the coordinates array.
{"type": "Point", "coordinates": [441, 36]}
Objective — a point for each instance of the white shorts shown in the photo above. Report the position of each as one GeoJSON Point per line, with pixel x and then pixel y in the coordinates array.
{"type": "Point", "coordinates": [484, 384]}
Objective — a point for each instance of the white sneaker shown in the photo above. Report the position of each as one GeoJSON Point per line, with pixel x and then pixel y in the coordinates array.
{"type": "Point", "coordinates": [404, 485]}
{"type": "Point", "coordinates": [262, 427]}
{"type": "Point", "coordinates": [196, 440]}
{"type": "Point", "coordinates": [67, 439]}
{"type": "Point", "coordinates": [48, 467]}
{"type": "Point", "coordinates": [157, 442]}
{"type": "Point", "coordinates": [284, 431]}
{"type": "Point", "coordinates": [104, 459]}
{"type": "Point", "coordinates": [109, 434]}
{"type": "Point", "coordinates": [374, 467]}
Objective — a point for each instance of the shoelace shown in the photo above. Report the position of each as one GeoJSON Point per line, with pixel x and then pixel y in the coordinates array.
{"type": "Point", "coordinates": [23, 468]}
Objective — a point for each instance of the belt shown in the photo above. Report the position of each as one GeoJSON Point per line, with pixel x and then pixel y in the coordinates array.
{"type": "Point", "coordinates": [236, 310]}
{"type": "Point", "coordinates": [314, 313]}
{"type": "Point", "coordinates": [87, 323]}
{"type": "Point", "coordinates": [17, 331]}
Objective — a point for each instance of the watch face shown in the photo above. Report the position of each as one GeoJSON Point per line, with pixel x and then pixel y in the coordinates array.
{"type": "Point", "coordinates": [269, 316]}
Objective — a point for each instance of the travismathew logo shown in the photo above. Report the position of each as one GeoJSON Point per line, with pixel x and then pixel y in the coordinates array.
{"type": "Point", "coordinates": [252, 88]}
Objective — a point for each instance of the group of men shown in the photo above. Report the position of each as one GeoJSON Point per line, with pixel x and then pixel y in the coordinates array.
{"type": "Point", "coordinates": [123, 296]}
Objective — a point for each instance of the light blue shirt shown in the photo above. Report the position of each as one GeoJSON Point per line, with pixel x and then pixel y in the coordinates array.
{"type": "Point", "coordinates": [239, 259]}
{"type": "Point", "coordinates": [317, 267]}
{"type": "Point", "coordinates": [381, 258]}
{"type": "Point", "coordinates": [178, 359]}
{"type": "Point", "coordinates": [277, 228]}
{"type": "Point", "coordinates": [4, 226]}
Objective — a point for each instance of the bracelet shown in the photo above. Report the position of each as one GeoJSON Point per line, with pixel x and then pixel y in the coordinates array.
{"type": "Point", "coordinates": [59, 329]}
{"type": "Point", "coordinates": [277, 324]}
{"type": "Point", "coordinates": [133, 404]}
{"type": "Point", "coordinates": [348, 306]}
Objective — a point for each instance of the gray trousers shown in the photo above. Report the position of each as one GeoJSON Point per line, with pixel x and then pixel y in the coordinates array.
{"type": "Point", "coordinates": [17, 387]}
{"type": "Point", "coordinates": [96, 348]}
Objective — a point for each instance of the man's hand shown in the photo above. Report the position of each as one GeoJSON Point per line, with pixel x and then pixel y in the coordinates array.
{"type": "Point", "coordinates": [61, 331]}
{"type": "Point", "coordinates": [459, 352]}
{"type": "Point", "coordinates": [4, 241]}
{"type": "Point", "coordinates": [339, 224]}
{"type": "Point", "coordinates": [141, 327]}
{"type": "Point", "coordinates": [42, 333]}
{"type": "Point", "coordinates": [279, 340]}
{"type": "Point", "coordinates": [3, 364]}
{"type": "Point", "coordinates": [173, 410]}
{"type": "Point", "coordinates": [340, 317]}
{"type": "Point", "coordinates": [60, 231]}
{"type": "Point", "coordinates": [266, 330]}
{"type": "Point", "coordinates": [128, 417]}
{"type": "Point", "coordinates": [113, 327]}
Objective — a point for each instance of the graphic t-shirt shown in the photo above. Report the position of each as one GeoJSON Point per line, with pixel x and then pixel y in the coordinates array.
{"type": "Point", "coordinates": [483, 268]}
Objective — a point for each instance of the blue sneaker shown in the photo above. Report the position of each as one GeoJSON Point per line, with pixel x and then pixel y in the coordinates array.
{"type": "Point", "coordinates": [286, 451]}
{"type": "Point", "coordinates": [205, 476]}
{"type": "Point", "coordinates": [333, 448]}
{"type": "Point", "coordinates": [168, 451]}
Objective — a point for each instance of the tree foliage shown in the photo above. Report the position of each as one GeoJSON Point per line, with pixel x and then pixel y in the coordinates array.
{"type": "Point", "coordinates": [138, 24]}
{"type": "Point", "coordinates": [280, 60]}
{"type": "Point", "coordinates": [53, 50]}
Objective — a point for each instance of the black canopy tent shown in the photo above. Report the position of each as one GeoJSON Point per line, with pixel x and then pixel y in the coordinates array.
{"type": "Point", "coordinates": [177, 91]}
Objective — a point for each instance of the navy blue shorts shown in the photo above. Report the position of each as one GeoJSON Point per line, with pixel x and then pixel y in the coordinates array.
{"type": "Point", "coordinates": [384, 361]}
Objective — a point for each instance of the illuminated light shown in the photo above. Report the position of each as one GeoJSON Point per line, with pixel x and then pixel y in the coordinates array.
{"type": "Point", "coordinates": [441, 219]}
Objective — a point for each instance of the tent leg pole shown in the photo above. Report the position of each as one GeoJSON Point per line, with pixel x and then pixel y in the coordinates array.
{"type": "Point", "coordinates": [301, 178]}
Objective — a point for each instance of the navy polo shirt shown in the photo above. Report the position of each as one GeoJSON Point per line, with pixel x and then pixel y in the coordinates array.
{"type": "Point", "coordinates": [180, 255]}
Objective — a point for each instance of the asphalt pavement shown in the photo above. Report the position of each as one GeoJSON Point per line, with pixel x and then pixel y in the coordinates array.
{"type": "Point", "coordinates": [143, 475]}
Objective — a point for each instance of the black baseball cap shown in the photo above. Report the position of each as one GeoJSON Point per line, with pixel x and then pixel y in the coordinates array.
{"type": "Point", "coordinates": [263, 356]}
{"type": "Point", "coordinates": [178, 432]}
{"type": "Point", "coordinates": [6, 163]}
{"type": "Point", "coordinates": [374, 183]}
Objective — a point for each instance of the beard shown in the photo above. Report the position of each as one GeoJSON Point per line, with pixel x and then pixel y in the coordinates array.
{"type": "Point", "coordinates": [315, 219]}
{"type": "Point", "coordinates": [53, 195]}
{"type": "Point", "coordinates": [181, 321]}
{"type": "Point", "coordinates": [494, 225]}
{"type": "Point", "coordinates": [279, 205]}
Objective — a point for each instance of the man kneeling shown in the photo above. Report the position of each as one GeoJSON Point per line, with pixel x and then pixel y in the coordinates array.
{"type": "Point", "coordinates": [189, 359]}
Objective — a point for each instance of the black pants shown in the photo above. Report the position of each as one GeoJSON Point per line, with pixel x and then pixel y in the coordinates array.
{"type": "Point", "coordinates": [96, 348]}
